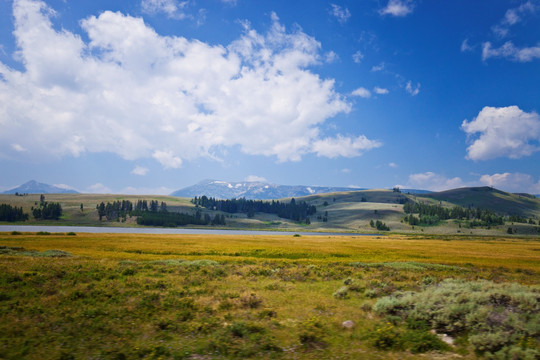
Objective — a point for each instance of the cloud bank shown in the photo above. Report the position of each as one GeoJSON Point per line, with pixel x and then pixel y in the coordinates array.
{"type": "Point", "coordinates": [135, 93]}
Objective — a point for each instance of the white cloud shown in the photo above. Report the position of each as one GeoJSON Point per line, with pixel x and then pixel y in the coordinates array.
{"type": "Point", "coordinates": [434, 182]}
{"type": "Point", "coordinates": [167, 159]}
{"type": "Point", "coordinates": [64, 186]}
{"type": "Point", "coordinates": [139, 170]}
{"type": "Point", "coordinates": [173, 8]}
{"type": "Point", "coordinates": [18, 148]}
{"type": "Point", "coordinates": [331, 57]}
{"type": "Point", "coordinates": [397, 8]}
{"type": "Point", "coordinates": [512, 182]}
{"type": "Point", "coordinates": [362, 92]}
{"type": "Point", "coordinates": [512, 17]}
{"type": "Point", "coordinates": [357, 57]}
{"type": "Point", "coordinates": [504, 132]}
{"type": "Point", "coordinates": [412, 90]}
{"type": "Point", "coordinates": [230, 2]}
{"type": "Point", "coordinates": [510, 51]}
{"type": "Point", "coordinates": [344, 146]}
{"type": "Point", "coordinates": [255, 178]}
{"type": "Point", "coordinates": [346, 171]}
{"type": "Point", "coordinates": [135, 93]}
{"type": "Point", "coordinates": [380, 91]}
{"type": "Point", "coordinates": [379, 67]}
{"type": "Point", "coordinates": [98, 188]}
{"type": "Point", "coordinates": [465, 46]}
{"type": "Point", "coordinates": [393, 165]}
{"type": "Point", "coordinates": [341, 14]}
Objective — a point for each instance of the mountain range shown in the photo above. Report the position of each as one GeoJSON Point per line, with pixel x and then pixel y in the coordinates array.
{"type": "Point", "coordinates": [253, 190]}
{"type": "Point", "coordinates": [34, 187]}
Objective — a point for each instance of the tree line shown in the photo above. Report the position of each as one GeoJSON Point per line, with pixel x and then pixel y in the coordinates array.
{"type": "Point", "coordinates": [12, 213]}
{"type": "Point", "coordinates": [432, 214]}
{"type": "Point", "coordinates": [47, 210]}
{"type": "Point", "coordinates": [154, 213]}
{"type": "Point", "coordinates": [297, 211]}
{"type": "Point", "coordinates": [119, 210]}
{"type": "Point", "coordinates": [173, 219]}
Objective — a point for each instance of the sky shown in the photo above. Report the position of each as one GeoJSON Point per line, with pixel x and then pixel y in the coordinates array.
{"type": "Point", "coordinates": [151, 96]}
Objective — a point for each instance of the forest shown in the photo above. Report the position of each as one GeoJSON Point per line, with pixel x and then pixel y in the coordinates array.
{"type": "Point", "coordinates": [297, 211]}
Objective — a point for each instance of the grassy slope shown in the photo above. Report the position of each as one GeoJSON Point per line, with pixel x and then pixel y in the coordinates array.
{"type": "Point", "coordinates": [346, 211]}
{"type": "Point", "coordinates": [486, 197]}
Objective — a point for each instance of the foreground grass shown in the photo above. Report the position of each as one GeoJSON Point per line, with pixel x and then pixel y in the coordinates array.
{"type": "Point", "coordinates": [124, 296]}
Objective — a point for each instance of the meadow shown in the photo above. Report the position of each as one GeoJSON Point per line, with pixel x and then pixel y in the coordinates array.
{"type": "Point", "coordinates": [128, 296]}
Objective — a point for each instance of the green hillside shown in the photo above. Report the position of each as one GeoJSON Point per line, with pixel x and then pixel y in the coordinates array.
{"type": "Point", "coordinates": [486, 197]}
{"type": "Point", "coordinates": [348, 211]}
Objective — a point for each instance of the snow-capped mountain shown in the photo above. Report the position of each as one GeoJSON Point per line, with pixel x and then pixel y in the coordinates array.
{"type": "Point", "coordinates": [252, 190]}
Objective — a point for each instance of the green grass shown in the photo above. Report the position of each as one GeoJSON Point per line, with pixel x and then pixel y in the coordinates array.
{"type": "Point", "coordinates": [124, 296]}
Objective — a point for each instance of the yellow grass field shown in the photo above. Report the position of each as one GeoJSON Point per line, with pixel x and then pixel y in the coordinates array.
{"type": "Point", "coordinates": [488, 252]}
{"type": "Point", "coordinates": [134, 296]}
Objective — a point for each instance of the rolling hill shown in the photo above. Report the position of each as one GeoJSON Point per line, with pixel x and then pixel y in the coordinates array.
{"type": "Point", "coordinates": [486, 197]}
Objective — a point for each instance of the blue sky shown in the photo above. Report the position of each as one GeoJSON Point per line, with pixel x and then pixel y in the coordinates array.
{"type": "Point", "coordinates": [150, 96]}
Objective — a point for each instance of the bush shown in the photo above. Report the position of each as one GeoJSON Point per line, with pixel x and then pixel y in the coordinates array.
{"type": "Point", "coordinates": [341, 293]}
{"type": "Point", "coordinates": [422, 341]}
{"type": "Point", "coordinates": [385, 337]}
{"type": "Point", "coordinates": [312, 333]}
{"type": "Point", "coordinates": [494, 316]}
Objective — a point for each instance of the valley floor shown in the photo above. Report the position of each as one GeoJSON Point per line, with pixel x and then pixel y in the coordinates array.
{"type": "Point", "coordinates": [138, 296]}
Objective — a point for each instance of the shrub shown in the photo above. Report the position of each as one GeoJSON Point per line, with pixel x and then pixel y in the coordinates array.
{"type": "Point", "coordinates": [385, 337]}
{"type": "Point", "coordinates": [494, 316]}
{"type": "Point", "coordinates": [423, 341]}
{"type": "Point", "coordinates": [312, 333]}
{"type": "Point", "coordinates": [251, 301]}
{"type": "Point", "coordinates": [341, 293]}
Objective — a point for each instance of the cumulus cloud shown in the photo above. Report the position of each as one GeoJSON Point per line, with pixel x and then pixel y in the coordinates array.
{"type": "Point", "coordinates": [344, 146]}
{"type": "Point", "coordinates": [504, 132]}
{"type": "Point", "coordinates": [432, 181]}
{"type": "Point", "coordinates": [512, 182]}
{"type": "Point", "coordinates": [139, 170]}
{"type": "Point", "coordinates": [362, 92]}
{"type": "Point", "coordinates": [380, 91]}
{"type": "Point", "coordinates": [255, 178]}
{"type": "Point", "coordinates": [510, 51]}
{"type": "Point", "coordinates": [138, 94]}
{"type": "Point", "coordinates": [172, 8]}
{"type": "Point", "coordinates": [331, 57]}
{"type": "Point", "coordinates": [167, 159]}
{"type": "Point", "coordinates": [341, 14]}
{"type": "Point", "coordinates": [393, 165]}
{"type": "Point", "coordinates": [397, 8]}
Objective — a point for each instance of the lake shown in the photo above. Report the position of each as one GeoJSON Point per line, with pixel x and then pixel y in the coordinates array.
{"type": "Point", "coordinates": [179, 231]}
